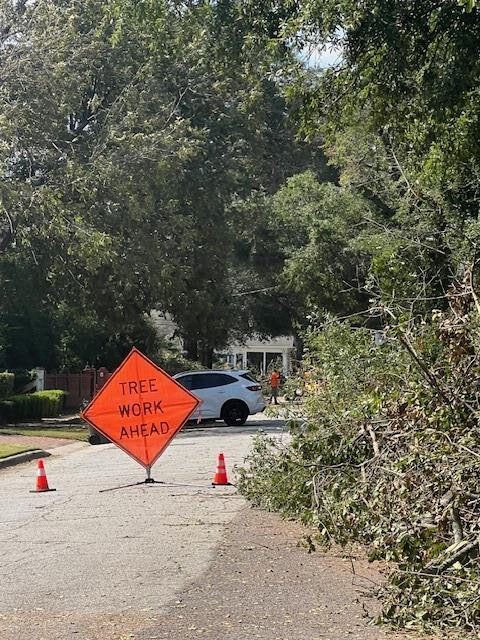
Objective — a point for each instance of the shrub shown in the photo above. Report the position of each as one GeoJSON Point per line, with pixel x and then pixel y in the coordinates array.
{"type": "Point", "coordinates": [42, 404]}
{"type": "Point", "coordinates": [387, 454]}
{"type": "Point", "coordinates": [174, 362]}
{"type": "Point", "coordinates": [6, 384]}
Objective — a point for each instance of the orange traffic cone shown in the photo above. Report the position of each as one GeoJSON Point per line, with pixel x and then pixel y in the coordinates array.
{"type": "Point", "coordinates": [42, 482]}
{"type": "Point", "coordinates": [220, 477]}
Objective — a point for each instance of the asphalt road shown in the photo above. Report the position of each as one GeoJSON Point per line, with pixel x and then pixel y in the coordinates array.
{"type": "Point", "coordinates": [78, 552]}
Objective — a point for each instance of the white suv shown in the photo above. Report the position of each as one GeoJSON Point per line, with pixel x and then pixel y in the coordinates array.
{"type": "Point", "coordinates": [227, 395]}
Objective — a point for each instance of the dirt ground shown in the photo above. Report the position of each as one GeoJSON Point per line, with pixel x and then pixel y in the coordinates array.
{"type": "Point", "coordinates": [263, 584]}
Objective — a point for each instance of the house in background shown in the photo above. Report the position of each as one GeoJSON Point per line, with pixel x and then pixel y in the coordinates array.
{"type": "Point", "coordinates": [260, 355]}
{"type": "Point", "coordinates": [254, 353]}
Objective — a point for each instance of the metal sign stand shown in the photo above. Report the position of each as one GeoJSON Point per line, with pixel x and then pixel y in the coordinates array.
{"type": "Point", "coordinates": [149, 481]}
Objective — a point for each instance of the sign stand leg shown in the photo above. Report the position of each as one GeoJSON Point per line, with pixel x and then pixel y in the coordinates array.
{"type": "Point", "coordinates": [148, 480]}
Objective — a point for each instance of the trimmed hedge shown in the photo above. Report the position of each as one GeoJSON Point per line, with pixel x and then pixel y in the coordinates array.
{"type": "Point", "coordinates": [6, 384]}
{"type": "Point", "coordinates": [41, 404]}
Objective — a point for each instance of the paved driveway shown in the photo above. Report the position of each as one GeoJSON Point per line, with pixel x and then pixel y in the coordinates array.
{"type": "Point", "coordinates": [78, 552]}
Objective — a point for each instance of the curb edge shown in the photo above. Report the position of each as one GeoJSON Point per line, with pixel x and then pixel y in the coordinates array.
{"type": "Point", "coordinates": [26, 456]}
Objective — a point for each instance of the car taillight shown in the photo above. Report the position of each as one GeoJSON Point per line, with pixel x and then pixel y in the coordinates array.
{"type": "Point", "coordinates": [254, 387]}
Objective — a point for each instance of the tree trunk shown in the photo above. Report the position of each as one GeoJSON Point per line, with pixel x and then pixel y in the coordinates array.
{"type": "Point", "coordinates": [206, 356]}
{"type": "Point", "coordinates": [298, 346]}
{"type": "Point", "coordinates": [191, 348]}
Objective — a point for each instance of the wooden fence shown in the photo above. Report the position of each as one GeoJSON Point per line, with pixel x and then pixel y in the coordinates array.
{"type": "Point", "coordinates": [80, 387]}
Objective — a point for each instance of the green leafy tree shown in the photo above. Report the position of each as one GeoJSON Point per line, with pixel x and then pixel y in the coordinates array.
{"type": "Point", "coordinates": [128, 129]}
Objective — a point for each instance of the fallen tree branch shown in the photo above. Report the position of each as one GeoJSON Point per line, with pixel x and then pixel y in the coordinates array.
{"type": "Point", "coordinates": [453, 553]}
{"type": "Point", "coordinates": [456, 524]}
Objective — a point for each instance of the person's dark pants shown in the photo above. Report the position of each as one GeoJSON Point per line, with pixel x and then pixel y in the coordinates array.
{"type": "Point", "coordinates": [274, 395]}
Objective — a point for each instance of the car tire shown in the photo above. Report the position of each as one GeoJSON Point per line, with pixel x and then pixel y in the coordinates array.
{"type": "Point", "coordinates": [97, 438]}
{"type": "Point", "coordinates": [234, 413]}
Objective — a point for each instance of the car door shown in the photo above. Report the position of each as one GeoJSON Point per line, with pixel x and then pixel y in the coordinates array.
{"type": "Point", "coordinates": [187, 382]}
{"type": "Point", "coordinates": [204, 387]}
{"type": "Point", "coordinates": [214, 389]}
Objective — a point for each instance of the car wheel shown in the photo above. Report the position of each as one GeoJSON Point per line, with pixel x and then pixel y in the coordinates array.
{"type": "Point", "coordinates": [235, 413]}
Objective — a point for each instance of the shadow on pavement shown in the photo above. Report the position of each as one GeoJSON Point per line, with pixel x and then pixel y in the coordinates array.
{"type": "Point", "coordinates": [218, 428]}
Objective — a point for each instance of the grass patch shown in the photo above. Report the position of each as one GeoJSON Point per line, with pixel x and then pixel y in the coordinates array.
{"type": "Point", "coordinates": [70, 433]}
{"type": "Point", "coordinates": [7, 450]}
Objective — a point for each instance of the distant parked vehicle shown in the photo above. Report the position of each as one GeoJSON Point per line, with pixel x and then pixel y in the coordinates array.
{"type": "Point", "coordinates": [230, 396]}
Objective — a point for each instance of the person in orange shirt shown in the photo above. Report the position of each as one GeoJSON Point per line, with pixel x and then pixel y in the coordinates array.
{"type": "Point", "coordinates": [274, 386]}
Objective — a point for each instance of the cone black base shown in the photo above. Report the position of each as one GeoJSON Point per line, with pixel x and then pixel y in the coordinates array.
{"type": "Point", "coordinates": [42, 491]}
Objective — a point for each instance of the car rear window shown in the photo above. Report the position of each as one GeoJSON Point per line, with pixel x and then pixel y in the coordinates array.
{"type": "Point", "coordinates": [209, 380]}
{"type": "Point", "coordinates": [248, 377]}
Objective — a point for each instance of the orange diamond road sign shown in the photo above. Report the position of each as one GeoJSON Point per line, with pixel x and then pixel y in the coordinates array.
{"type": "Point", "coordinates": [141, 408]}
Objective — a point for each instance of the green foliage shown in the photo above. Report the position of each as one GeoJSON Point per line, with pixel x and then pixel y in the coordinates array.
{"type": "Point", "coordinates": [307, 241]}
{"type": "Point", "coordinates": [397, 116]}
{"type": "Point", "coordinates": [387, 455]}
{"type": "Point", "coordinates": [388, 452]}
{"type": "Point", "coordinates": [337, 397]}
{"type": "Point", "coordinates": [6, 384]}
{"type": "Point", "coordinates": [169, 358]}
{"type": "Point", "coordinates": [41, 404]}
{"type": "Point", "coordinates": [117, 186]}
{"type": "Point", "coordinates": [316, 226]}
